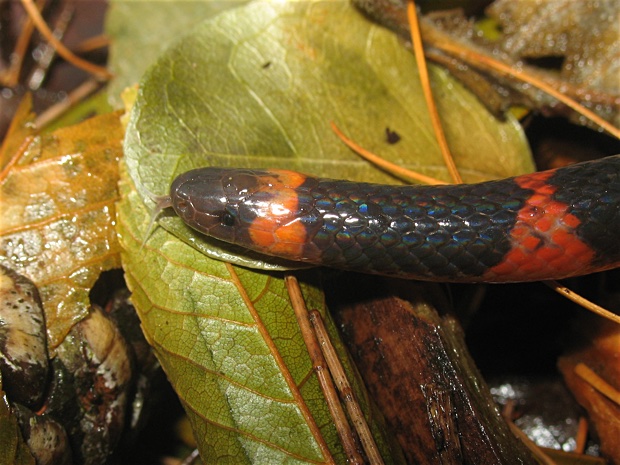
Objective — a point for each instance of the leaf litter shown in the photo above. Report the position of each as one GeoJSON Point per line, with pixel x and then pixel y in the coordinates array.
{"type": "Point", "coordinates": [58, 212]}
{"type": "Point", "coordinates": [46, 207]}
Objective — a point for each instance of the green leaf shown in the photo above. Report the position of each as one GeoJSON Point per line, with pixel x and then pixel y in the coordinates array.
{"type": "Point", "coordinates": [230, 344]}
{"type": "Point", "coordinates": [141, 31]}
{"type": "Point", "coordinates": [258, 86]}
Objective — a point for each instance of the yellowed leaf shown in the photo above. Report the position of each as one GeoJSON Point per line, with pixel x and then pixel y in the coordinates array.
{"type": "Point", "coordinates": [58, 213]}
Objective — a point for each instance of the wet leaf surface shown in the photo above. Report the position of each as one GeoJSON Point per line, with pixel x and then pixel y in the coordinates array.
{"type": "Point", "coordinates": [58, 213]}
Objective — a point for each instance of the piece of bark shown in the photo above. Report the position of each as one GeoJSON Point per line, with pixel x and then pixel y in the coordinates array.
{"type": "Point", "coordinates": [419, 372]}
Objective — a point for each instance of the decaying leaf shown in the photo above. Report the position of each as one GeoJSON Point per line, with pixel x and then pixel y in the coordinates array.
{"type": "Point", "coordinates": [23, 343]}
{"type": "Point", "coordinates": [14, 449]}
{"type": "Point", "coordinates": [58, 193]}
{"type": "Point", "coordinates": [58, 228]}
{"type": "Point", "coordinates": [583, 34]}
{"type": "Point", "coordinates": [452, 40]}
{"type": "Point", "coordinates": [600, 354]}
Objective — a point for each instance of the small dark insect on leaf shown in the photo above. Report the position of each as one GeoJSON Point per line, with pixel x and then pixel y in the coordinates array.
{"type": "Point", "coordinates": [392, 137]}
{"type": "Point", "coordinates": [266, 64]}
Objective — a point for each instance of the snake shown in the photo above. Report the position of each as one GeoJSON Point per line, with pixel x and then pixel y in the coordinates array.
{"type": "Point", "coordinates": [552, 224]}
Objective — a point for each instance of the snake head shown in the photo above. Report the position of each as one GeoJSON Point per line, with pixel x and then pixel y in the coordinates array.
{"type": "Point", "coordinates": [258, 210]}
{"type": "Point", "coordinates": [207, 199]}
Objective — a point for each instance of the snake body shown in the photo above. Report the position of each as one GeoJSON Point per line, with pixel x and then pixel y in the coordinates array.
{"type": "Point", "coordinates": [546, 225]}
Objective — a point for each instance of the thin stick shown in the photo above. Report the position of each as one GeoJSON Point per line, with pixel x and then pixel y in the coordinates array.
{"type": "Point", "coordinates": [390, 167]}
{"type": "Point", "coordinates": [92, 43]}
{"type": "Point", "coordinates": [11, 77]}
{"type": "Point", "coordinates": [293, 384]}
{"type": "Point", "coordinates": [82, 91]}
{"type": "Point", "coordinates": [531, 445]}
{"type": "Point", "coordinates": [585, 303]}
{"type": "Point", "coordinates": [598, 383]}
{"type": "Point", "coordinates": [418, 50]}
{"type": "Point", "coordinates": [63, 51]}
{"type": "Point", "coordinates": [322, 372]}
{"type": "Point", "coordinates": [582, 436]}
{"type": "Point", "coordinates": [16, 157]}
{"type": "Point", "coordinates": [45, 52]}
{"type": "Point", "coordinates": [346, 391]}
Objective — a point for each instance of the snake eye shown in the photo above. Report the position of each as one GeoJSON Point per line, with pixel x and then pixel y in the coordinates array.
{"type": "Point", "coordinates": [227, 219]}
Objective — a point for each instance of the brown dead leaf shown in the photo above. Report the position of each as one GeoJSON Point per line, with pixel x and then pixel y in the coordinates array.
{"type": "Point", "coordinates": [590, 66]}
{"type": "Point", "coordinates": [602, 355]}
{"type": "Point", "coordinates": [58, 214]}
{"type": "Point", "coordinates": [584, 34]}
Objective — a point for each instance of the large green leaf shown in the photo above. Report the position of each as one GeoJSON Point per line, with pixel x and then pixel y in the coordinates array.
{"type": "Point", "coordinates": [230, 344]}
{"type": "Point", "coordinates": [258, 86]}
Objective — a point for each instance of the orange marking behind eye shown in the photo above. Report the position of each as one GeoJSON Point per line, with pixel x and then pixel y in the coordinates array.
{"type": "Point", "coordinates": [544, 241]}
{"type": "Point", "coordinates": [284, 179]}
{"type": "Point", "coordinates": [277, 230]}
